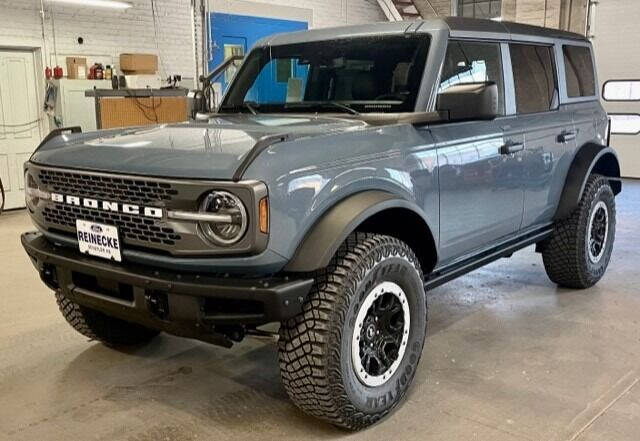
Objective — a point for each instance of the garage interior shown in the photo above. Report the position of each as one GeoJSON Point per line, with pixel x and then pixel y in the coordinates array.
{"type": "Point", "coordinates": [508, 355]}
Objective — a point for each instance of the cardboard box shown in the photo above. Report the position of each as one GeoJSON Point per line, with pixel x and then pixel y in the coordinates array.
{"type": "Point", "coordinates": [138, 63]}
{"type": "Point", "coordinates": [76, 68]}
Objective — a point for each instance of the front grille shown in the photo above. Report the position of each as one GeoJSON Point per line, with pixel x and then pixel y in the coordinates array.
{"type": "Point", "coordinates": [98, 194]}
{"type": "Point", "coordinates": [133, 228]}
{"type": "Point", "coordinates": [110, 188]}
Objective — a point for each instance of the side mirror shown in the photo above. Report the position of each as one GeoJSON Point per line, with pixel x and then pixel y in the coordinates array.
{"type": "Point", "coordinates": [469, 101]}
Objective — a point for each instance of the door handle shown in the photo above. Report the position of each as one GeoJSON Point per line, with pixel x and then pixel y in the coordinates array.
{"type": "Point", "coordinates": [565, 137]}
{"type": "Point", "coordinates": [511, 147]}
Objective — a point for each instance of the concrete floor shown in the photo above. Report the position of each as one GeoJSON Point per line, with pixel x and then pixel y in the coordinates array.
{"type": "Point", "coordinates": [509, 356]}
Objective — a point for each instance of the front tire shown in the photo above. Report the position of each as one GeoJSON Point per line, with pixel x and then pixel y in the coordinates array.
{"type": "Point", "coordinates": [352, 353]}
{"type": "Point", "coordinates": [111, 331]}
{"type": "Point", "coordinates": [578, 252]}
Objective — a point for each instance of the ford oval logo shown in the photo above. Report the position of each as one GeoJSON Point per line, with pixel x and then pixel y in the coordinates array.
{"type": "Point", "coordinates": [96, 228]}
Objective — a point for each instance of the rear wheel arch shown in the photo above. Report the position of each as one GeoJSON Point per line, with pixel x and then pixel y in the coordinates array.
{"type": "Point", "coordinates": [369, 211]}
{"type": "Point", "coordinates": [590, 159]}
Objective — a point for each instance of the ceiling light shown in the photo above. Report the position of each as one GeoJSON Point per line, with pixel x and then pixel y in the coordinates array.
{"type": "Point", "coordinates": [113, 4]}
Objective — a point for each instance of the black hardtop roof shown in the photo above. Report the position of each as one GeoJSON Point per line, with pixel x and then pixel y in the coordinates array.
{"type": "Point", "coordinates": [474, 27]}
{"type": "Point", "coordinates": [509, 27]}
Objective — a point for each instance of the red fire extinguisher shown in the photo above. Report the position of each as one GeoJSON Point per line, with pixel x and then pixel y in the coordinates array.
{"type": "Point", "coordinates": [57, 72]}
{"type": "Point", "coordinates": [48, 73]}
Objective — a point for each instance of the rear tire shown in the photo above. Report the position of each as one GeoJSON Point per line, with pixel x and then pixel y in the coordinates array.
{"type": "Point", "coordinates": [352, 353]}
{"type": "Point", "coordinates": [97, 326]}
{"type": "Point", "coordinates": [579, 250]}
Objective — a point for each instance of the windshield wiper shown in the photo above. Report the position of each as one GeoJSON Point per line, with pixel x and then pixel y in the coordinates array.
{"type": "Point", "coordinates": [334, 104]}
{"type": "Point", "coordinates": [341, 106]}
{"type": "Point", "coordinates": [251, 106]}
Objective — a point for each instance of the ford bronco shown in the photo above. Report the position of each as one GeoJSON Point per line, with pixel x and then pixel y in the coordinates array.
{"type": "Point", "coordinates": [345, 172]}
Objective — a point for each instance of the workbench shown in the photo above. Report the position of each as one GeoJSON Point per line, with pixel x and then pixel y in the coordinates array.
{"type": "Point", "coordinates": [138, 107]}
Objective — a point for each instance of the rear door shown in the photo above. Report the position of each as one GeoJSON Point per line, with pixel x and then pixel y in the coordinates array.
{"type": "Point", "coordinates": [546, 125]}
{"type": "Point", "coordinates": [481, 197]}
{"type": "Point", "coordinates": [19, 121]}
{"type": "Point", "coordinates": [580, 92]}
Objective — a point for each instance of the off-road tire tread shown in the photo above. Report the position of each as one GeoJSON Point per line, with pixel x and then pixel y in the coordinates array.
{"type": "Point", "coordinates": [310, 342]}
{"type": "Point", "coordinates": [97, 326]}
{"type": "Point", "coordinates": [563, 256]}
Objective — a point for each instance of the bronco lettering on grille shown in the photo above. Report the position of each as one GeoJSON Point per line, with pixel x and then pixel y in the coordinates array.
{"type": "Point", "coordinates": [152, 212]}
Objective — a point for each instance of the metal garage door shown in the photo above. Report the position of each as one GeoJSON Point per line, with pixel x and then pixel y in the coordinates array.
{"type": "Point", "coordinates": [618, 59]}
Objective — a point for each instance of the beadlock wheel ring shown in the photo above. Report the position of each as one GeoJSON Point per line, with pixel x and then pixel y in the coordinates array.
{"type": "Point", "coordinates": [598, 231]}
{"type": "Point", "coordinates": [381, 333]}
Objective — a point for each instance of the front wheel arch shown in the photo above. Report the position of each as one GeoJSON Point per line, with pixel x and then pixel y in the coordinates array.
{"type": "Point", "coordinates": [373, 211]}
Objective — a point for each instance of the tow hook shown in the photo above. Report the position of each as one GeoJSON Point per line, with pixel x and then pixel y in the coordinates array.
{"type": "Point", "coordinates": [158, 304]}
{"type": "Point", "coordinates": [232, 332]}
{"type": "Point", "coordinates": [49, 276]}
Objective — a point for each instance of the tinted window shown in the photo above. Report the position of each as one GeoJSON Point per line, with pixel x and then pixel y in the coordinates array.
{"type": "Point", "coordinates": [473, 63]}
{"type": "Point", "coordinates": [534, 75]}
{"type": "Point", "coordinates": [578, 66]}
{"type": "Point", "coordinates": [368, 74]}
{"type": "Point", "coordinates": [621, 90]}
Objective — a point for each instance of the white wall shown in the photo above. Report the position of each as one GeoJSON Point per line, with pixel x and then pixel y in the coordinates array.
{"type": "Point", "coordinates": [325, 12]}
{"type": "Point", "coordinates": [107, 33]}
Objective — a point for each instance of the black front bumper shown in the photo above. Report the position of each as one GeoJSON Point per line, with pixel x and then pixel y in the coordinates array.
{"type": "Point", "coordinates": [190, 305]}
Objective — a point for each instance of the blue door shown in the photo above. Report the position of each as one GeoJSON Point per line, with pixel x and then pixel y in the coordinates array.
{"type": "Point", "coordinates": [236, 34]}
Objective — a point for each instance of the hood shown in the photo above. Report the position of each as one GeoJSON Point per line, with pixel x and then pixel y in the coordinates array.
{"type": "Point", "coordinates": [212, 150]}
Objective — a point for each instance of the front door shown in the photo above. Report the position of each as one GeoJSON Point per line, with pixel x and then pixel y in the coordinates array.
{"type": "Point", "coordinates": [19, 121]}
{"type": "Point", "coordinates": [481, 195]}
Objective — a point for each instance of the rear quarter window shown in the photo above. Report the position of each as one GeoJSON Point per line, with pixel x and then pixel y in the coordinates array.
{"type": "Point", "coordinates": [578, 66]}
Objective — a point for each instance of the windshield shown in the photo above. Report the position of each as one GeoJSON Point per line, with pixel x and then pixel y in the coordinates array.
{"type": "Point", "coordinates": [354, 75]}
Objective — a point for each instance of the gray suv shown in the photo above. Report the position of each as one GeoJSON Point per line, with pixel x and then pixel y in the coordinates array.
{"type": "Point", "coordinates": [345, 172]}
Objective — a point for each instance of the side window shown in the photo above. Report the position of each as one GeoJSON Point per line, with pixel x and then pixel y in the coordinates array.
{"type": "Point", "coordinates": [578, 66]}
{"type": "Point", "coordinates": [468, 62]}
{"type": "Point", "coordinates": [534, 77]}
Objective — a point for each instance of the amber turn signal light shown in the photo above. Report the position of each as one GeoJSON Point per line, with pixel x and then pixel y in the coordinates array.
{"type": "Point", "coordinates": [264, 215]}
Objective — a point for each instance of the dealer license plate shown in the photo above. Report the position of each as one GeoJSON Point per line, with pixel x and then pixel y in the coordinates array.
{"type": "Point", "coordinates": [98, 240]}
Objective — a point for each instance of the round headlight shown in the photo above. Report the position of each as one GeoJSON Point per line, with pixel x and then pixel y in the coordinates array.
{"type": "Point", "coordinates": [233, 221]}
{"type": "Point", "coordinates": [32, 193]}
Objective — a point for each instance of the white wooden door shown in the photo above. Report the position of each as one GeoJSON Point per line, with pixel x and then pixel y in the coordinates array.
{"type": "Point", "coordinates": [618, 60]}
{"type": "Point", "coordinates": [19, 121]}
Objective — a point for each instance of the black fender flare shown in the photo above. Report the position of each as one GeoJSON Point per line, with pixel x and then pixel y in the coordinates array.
{"type": "Point", "coordinates": [590, 158]}
{"type": "Point", "coordinates": [325, 237]}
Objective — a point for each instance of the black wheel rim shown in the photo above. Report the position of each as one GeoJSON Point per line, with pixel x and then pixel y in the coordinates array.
{"type": "Point", "coordinates": [598, 231]}
{"type": "Point", "coordinates": [381, 334]}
